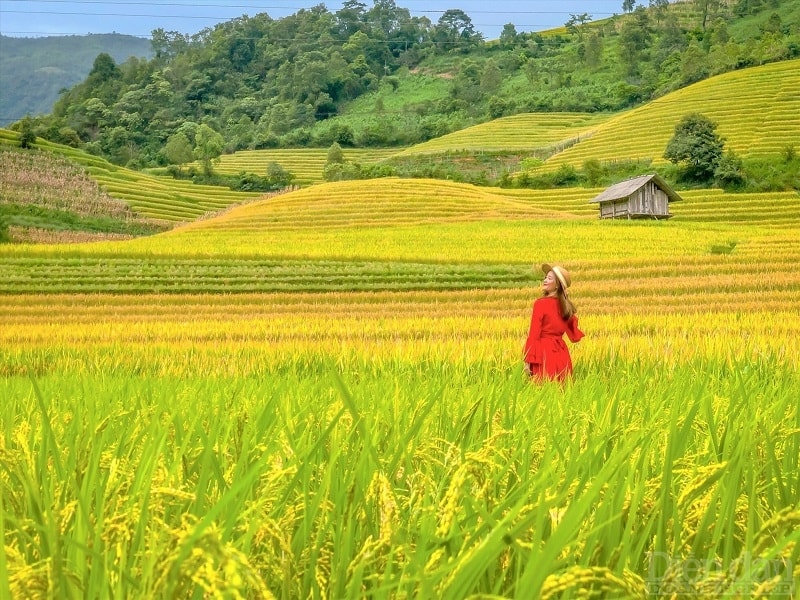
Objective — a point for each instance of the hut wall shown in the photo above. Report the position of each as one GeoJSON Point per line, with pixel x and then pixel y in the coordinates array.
{"type": "Point", "coordinates": [649, 200]}
{"type": "Point", "coordinates": [614, 209]}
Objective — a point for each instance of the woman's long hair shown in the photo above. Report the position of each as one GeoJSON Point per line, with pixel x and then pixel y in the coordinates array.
{"type": "Point", "coordinates": [568, 309]}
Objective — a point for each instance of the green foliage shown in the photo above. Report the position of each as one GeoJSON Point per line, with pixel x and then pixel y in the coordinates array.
{"type": "Point", "coordinates": [766, 175]}
{"type": "Point", "coordinates": [697, 147]}
{"type": "Point", "coordinates": [454, 32]}
{"type": "Point", "coordinates": [729, 172]}
{"type": "Point", "coordinates": [3, 229]}
{"type": "Point", "coordinates": [634, 39]}
{"type": "Point", "coordinates": [208, 147]}
{"type": "Point", "coordinates": [341, 171]}
{"type": "Point", "coordinates": [178, 149]}
{"type": "Point", "coordinates": [278, 177]}
{"type": "Point", "coordinates": [41, 67]}
{"type": "Point", "coordinates": [593, 174]}
{"type": "Point", "coordinates": [335, 154]}
{"type": "Point", "coordinates": [27, 135]}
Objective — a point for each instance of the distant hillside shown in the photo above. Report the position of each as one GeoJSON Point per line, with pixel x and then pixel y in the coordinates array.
{"type": "Point", "coordinates": [757, 111]}
{"type": "Point", "coordinates": [34, 70]}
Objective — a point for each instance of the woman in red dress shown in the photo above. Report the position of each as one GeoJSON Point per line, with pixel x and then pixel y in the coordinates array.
{"type": "Point", "coordinates": [546, 355]}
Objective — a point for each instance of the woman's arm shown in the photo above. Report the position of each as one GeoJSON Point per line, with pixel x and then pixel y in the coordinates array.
{"type": "Point", "coordinates": [573, 333]}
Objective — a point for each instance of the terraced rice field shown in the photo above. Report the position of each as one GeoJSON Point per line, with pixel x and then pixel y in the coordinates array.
{"type": "Point", "coordinates": [757, 111]}
{"type": "Point", "coordinates": [306, 164]}
{"type": "Point", "coordinates": [528, 131]}
{"type": "Point", "coordinates": [159, 198]}
{"type": "Point", "coordinates": [320, 395]}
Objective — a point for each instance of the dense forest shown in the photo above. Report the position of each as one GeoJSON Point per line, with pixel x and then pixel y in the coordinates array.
{"type": "Point", "coordinates": [319, 77]}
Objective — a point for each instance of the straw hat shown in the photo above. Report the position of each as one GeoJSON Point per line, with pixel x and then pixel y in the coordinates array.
{"type": "Point", "coordinates": [561, 274]}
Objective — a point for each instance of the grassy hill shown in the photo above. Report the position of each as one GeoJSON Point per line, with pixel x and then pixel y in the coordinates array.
{"type": "Point", "coordinates": [43, 66]}
{"type": "Point", "coordinates": [756, 110]}
{"type": "Point", "coordinates": [287, 93]}
{"type": "Point", "coordinates": [551, 74]}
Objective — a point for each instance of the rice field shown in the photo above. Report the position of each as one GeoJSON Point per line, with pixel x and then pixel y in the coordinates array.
{"type": "Point", "coordinates": [160, 198]}
{"type": "Point", "coordinates": [527, 131]}
{"type": "Point", "coordinates": [306, 164]}
{"type": "Point", "coordinates": [757, 111]}
{"type": "Point", "coordinates": [319, 395]}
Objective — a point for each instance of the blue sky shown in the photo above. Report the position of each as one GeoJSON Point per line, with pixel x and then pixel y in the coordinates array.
{"type": "Point", "coordinates": [32, 18]}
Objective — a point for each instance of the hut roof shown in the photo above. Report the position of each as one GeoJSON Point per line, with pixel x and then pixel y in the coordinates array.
{"type": "Point", "coordinates": [623, 189]}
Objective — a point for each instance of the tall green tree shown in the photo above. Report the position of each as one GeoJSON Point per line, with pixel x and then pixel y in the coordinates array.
{"type": "Point", "coordinates": [634, 40]}
{"type": "Point", "coordinates": [178, 150]}
{"type": "Point", "coordinates": [576, 24]}
{"type": "Point", "coordinates": [492, 77]}
{"type": "Point", "coordinates": [104, 79]}
{"type": "Point", "coordinates": [659, 9]}
{"type": "Point", "coordinates": [708, 10]}
{"type": "Point", "coordinates": [208, 147]}
{"type": "Point", "coordinates": [593, 50]}
{"type": "Point", "coordinates": [351, 18]}
{"type": "Point", "coordinates": [696, 146]}
{"type": "Point", "coordinates": [455, 32]}
{"type": "Point", "coordinates": [466, 85]}
{"type": "Point", "coordinates": [167, 45]}
{"type": "Point", "coordinates": [508, 37]}
{"type": "Point", "coordinates": [277, 177]}
{"type": "Point", "coordinates": [335, 154]}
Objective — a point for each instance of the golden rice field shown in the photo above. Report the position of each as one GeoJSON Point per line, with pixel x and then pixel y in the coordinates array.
{"type": "Point", "coordinates": [306, 164]}
{"type": "Point", "coordinates": [527, 131]}
{"type": "Point", "coordinates": [319, 395]}
{"type": "Point", "coordinates": [757, 111]}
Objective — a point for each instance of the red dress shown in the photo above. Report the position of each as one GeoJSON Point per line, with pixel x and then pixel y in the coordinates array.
{"type": "Point", "coordinates": [545, 349]}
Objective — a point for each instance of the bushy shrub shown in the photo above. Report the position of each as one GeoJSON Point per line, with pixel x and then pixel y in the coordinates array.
{"type": "Point", "coordinates": [343, 171]}
{"type": "Point", "coordinates": [3, 230]}
{"type": "Point", "coordinates": [729, 174]}
{"type": "Point", "coordinates": [565, 175]}
{"type": "Point", "coordinates": [27, 135]}
{"type": "Point", "coordinates": [335, 154]}
{"type": "Point", "coordinates": [277, 178]}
